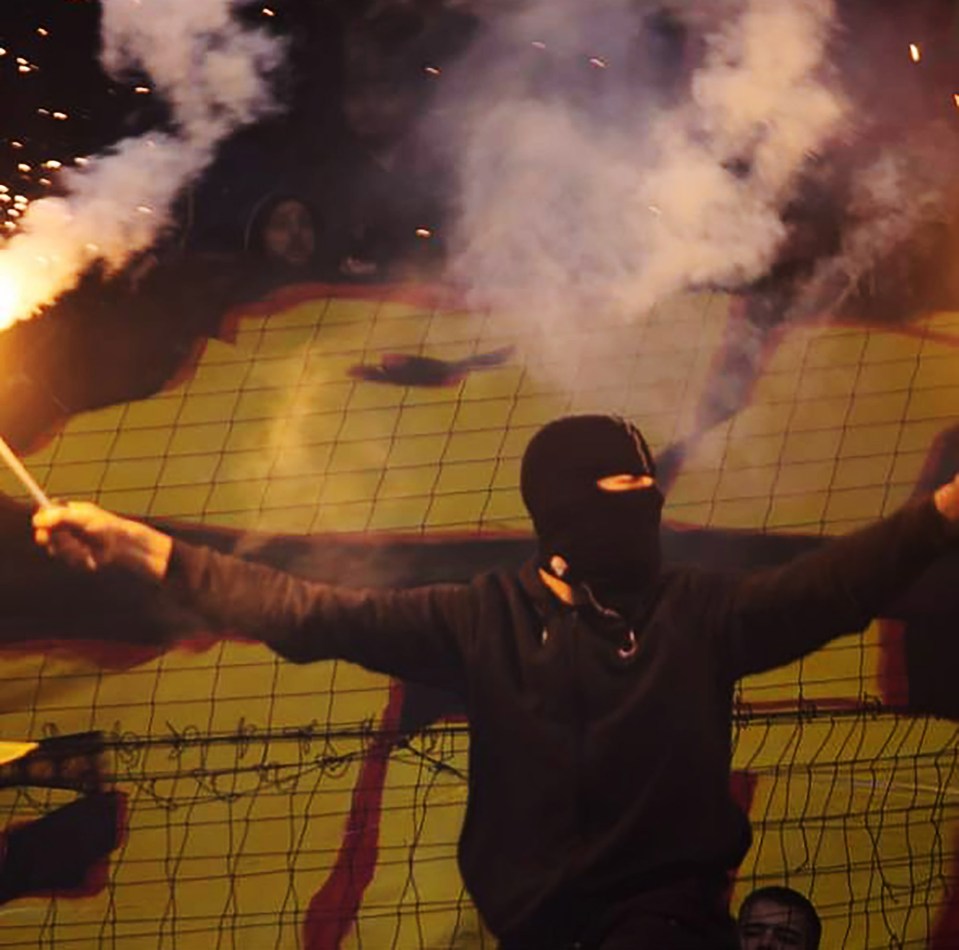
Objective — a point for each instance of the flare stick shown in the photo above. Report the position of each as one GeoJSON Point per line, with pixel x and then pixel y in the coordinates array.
{"type": "Point", "coordinates": [25, 478]}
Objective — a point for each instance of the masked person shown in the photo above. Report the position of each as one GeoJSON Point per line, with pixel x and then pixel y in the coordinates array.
{"type": "Point", "coordinates": [598, 685]}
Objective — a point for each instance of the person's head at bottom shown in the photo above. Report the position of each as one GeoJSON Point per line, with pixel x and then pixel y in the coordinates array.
{"type": "Point", "coordinates": [778, 918]}
{"type": "Point", "coordinates": [589, 485]}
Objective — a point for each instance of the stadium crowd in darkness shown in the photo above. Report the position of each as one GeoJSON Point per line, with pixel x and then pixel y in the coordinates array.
{"type": "Point", "coordinates": [350, 149]}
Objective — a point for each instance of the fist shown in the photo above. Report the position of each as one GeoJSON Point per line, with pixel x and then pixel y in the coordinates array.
{"type": "Point", "coordinates": [946, 498]}
{"type": "Point", "coordinates": [75, 532]}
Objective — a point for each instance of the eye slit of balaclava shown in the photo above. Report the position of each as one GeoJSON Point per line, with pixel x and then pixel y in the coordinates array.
{"type": "Point", "coordinates": [609, 540]}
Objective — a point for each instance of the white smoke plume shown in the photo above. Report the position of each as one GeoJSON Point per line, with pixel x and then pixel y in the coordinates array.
{"type": "Point", "coordinates": [906, 187]}
{"type": "Point", "coordinates": [622, 202]}
{"type": "Point", "coordinates": [215, 74]}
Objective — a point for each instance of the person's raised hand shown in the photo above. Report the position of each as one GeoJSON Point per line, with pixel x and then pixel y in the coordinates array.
{"type": "Point", "coordinates": [946, 498]}
{"type": "Point", "coordinates": [89, 537]}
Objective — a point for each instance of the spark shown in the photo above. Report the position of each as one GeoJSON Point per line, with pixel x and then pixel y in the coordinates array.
{"type": "Point", "coordinates": [81, 160]}
{"type": "Point", "coordinates": [538, 44]}
{"type": "Point", "coordinates": [914, 52]}
{"type": "Point", "coordinates": [5, 198]}
{"type": "Point", "coordinates": [16, 144]}
{"type": "Point", "coordinates": [432, 70]}
{"type": "Point", "coordinates": [955, 99]}
{"type": "Point", "coordinates": [3, 52]}
{"type": "Point", "coordinates": [60, 115]}
{"type": "Point", "coordinates": [52, 163]}
{"type": "Point", "coordinates": [42, 31]}
{"type": "Point", "coordinates": [144, 209]}
{"type": "Point", "coordinates": [597, 62]}
{"type": "Point", "coordinates": [23, 167]}
{"type": "Point", "coordinates": [142, 90]}
{"type": "Point", "coordinates": [424, 232]}
{"type": "Point", "coordinates": [268, 12]}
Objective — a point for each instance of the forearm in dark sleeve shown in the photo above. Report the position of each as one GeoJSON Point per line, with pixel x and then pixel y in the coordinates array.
{"type": "Point", "coordinates": [781, 614]}
{"type": "Point", "coordinates": [413, 634]}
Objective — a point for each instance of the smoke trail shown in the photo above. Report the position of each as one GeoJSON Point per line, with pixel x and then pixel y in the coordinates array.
{"type": "Point", "coordinates": [214, 73]}
{"type": "Point", "coordinates": [907, 186]}
{"type": "Point", "coordinates": [587, 180]}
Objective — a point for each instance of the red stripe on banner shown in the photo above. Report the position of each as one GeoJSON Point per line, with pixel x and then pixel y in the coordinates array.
{"type": "Point", "coordinates": [945, 933]}
{"type": "Point", "coordinates": [742, 787]}
{"type": "Point", "coordinates": [113, 655]}
{"type": "Point", "coordinates": [333, 908]}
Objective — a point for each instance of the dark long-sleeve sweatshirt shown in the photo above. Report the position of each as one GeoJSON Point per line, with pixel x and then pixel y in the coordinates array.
{"type": "Point", "coordinates": [594, 770]}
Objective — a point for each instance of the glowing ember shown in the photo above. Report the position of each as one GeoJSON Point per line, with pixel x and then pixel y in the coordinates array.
{"type": "Point", "coordinates": [914, 52]}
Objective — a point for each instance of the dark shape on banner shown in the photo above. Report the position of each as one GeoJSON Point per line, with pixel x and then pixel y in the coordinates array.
{"type": "Point", "coordinates": [405, 369]}
{"type": "Point", "coordinates": [65, 853]}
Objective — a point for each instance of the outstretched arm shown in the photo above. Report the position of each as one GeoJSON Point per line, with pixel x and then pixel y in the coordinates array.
{"type": "Point", "coordinates": [417, 633]}
{"type": "Point", "coordinates": [779, 615]}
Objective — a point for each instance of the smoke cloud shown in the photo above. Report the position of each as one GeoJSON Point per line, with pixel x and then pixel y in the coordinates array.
{"type": "Point", "coordinates": [214, 72]}
{"type": "Point", "coordinates": [594, 174]}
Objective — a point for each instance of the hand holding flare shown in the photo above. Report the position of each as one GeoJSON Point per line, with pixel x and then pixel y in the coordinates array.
{"type": "Point", "coordinates": [88, 537]}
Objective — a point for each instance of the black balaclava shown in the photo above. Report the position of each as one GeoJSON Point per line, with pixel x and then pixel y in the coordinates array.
{"type": "Point", "coordinates": [610, 540]}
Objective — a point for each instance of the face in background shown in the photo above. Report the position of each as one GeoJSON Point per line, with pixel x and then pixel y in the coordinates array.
{"type": "Point", "coordinates": [289, 236]}
{"type": "Point", "coordinates": [771, 925]}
